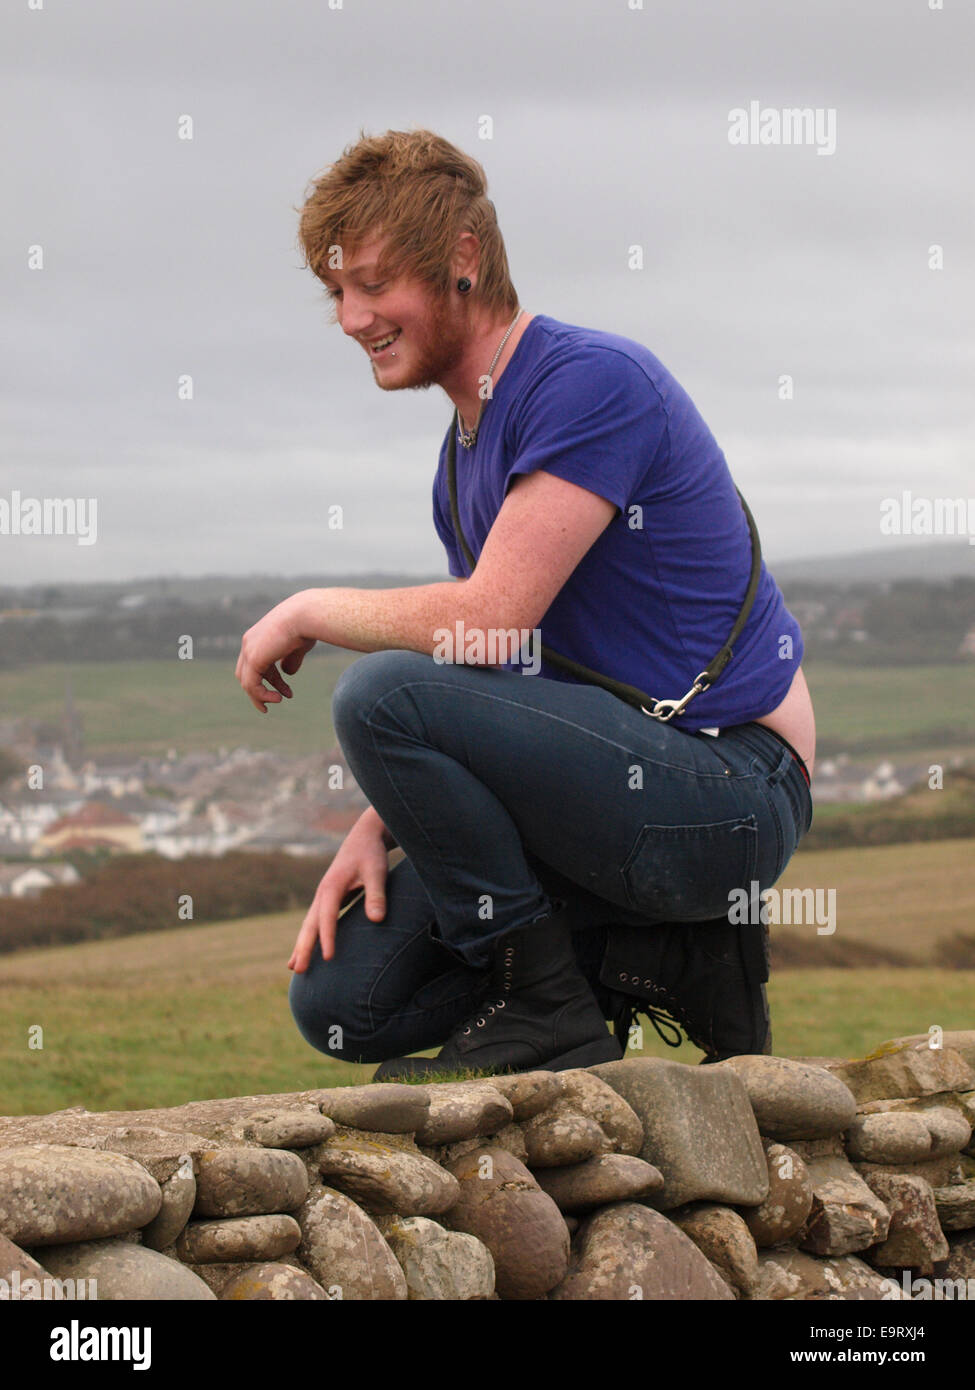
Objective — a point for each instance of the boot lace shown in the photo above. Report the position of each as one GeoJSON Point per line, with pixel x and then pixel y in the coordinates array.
{"type": "Point", "coordinates": [492, 1005]}
{"type": "Point", "coordinates": [627, 1013]}
{"type": "Point", "coordinates": [669, 1017]}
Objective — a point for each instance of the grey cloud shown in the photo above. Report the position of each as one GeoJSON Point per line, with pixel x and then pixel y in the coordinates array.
{"type": "Point", "coordinates": [610, 128]}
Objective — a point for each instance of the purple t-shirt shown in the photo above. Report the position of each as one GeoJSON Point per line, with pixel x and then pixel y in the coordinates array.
{"type": "Point", "coordinates": [656, 596]}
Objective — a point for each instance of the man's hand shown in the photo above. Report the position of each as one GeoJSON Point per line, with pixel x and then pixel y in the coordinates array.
{"type": "Point", "coordinates": [361, 862]}
{"type": "Point", "coordinates": [276, 637]}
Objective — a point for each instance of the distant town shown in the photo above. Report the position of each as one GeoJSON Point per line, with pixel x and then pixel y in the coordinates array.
{"type": "Point", "coordinates": [173, 805]}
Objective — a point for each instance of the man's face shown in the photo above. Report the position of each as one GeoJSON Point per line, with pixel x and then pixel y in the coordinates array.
{"type": "Point", "coordinates": [429, 336]}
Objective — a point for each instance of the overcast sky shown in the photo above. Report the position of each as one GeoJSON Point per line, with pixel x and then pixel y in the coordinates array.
{"type": "Point", "coordinates": [164, 256]}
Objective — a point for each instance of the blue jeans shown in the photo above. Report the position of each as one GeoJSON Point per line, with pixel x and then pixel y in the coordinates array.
{"type": "Point", "coordinates": [510, 794]}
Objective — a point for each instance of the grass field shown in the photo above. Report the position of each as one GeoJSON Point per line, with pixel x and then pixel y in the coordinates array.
{"type": "Point", "coordinates": [887, 709]}
{"type": "Point", "coordinates": [149, 706]}
{"type": "Point", "coordinates": [202, 1011]}
{"type": "Point", "coordinates": [905, 897]}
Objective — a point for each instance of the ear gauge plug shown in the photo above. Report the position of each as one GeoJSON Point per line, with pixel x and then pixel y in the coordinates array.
{"type": "Point", "coordinates": [463, 284]}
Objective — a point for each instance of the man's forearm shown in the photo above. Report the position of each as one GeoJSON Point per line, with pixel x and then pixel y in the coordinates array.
{"type": "Point", "coordinates": [371, 620]}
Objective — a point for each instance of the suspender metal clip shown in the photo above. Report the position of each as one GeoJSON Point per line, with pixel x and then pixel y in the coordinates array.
{"type": "Point", "coordinates": [666, 709]}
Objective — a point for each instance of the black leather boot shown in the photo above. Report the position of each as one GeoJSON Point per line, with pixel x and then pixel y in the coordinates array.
{"type": "Point", "coordinates": [538, 1013]}
{"type": "Point", "coordinates": [708, 976]}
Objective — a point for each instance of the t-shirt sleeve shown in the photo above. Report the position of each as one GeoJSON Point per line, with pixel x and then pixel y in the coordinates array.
{"type": "Point", "coordinates": [596, 420]}
{"type": "Point", "coordinates": [441, 521]}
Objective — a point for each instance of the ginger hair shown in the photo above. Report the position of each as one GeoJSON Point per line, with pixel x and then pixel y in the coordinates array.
{"type": "Point", "coordinates": [418, 193]}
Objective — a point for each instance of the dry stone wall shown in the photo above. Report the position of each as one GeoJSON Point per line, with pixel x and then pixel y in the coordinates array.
{"type": "Point", "coordinates": [758, 1178]}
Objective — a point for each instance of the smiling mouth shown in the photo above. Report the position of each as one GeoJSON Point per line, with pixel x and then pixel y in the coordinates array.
{"type": "Point", "coordinates": [380, 347]}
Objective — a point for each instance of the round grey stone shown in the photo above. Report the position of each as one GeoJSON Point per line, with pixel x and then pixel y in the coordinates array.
{"type": "Point", "coordinates": [344, 1250]}
{"type": "Point", "coordinates": [385, 1179]}
{"type": "Point", "coordinates": [387, 1106]}
{"type": "Point", "coordinates": [893, 1136]}
{"type": "Point", "coordinates": [590, 1096]}
{"type": "Point", "coordinates": [529, 1092]}
{"type": "Point", "coordinates": [504, 1207]}
{"type": "Point", "coordinates": [54, 1193]}
{"type": "Point", "coordinates": [249, 1182]}
{"type": "Point", "coordinates": [949, 1130]}
{"type": "Point", "coordinates": [124, 1271]}
{"type": "Point", "coordinates": [790, 1197]}
{"type": "Point", "coordinates": [463, 1110]}
{"type": "Point", "coordinates": [238, 1238]}
{"type": "Point", "coordinates": [562, 1135]}
{"type": "Point", "coordinates": [286, 1129]}
{"type": "Point", "coordinates": [723, 1239]}
{"type": "Point", "coordinates": [605, 1178]}
{"type": "Point", "coordinates": [792, 1100]}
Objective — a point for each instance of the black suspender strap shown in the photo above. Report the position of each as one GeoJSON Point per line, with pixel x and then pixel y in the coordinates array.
{"type": "Point", "coordinates": [657, 709]}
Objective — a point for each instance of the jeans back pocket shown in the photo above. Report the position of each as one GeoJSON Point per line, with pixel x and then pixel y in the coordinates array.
{"type": "Point", "coordinates": [686, 873]}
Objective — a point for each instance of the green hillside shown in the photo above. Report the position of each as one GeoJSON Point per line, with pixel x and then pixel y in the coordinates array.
{"type": "Point", "coordinates": [149, 706]}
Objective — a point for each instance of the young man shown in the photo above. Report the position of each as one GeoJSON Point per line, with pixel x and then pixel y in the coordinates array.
{"type": "Point", "coordinates": [540, 817]}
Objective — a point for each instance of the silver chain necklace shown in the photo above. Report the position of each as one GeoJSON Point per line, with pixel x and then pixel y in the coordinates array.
{"type": "Point", "coordinates": [468, 438]}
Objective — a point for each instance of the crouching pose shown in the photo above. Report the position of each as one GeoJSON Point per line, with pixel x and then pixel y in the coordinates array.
{"type": "Point", "coordinates": [582, 769]}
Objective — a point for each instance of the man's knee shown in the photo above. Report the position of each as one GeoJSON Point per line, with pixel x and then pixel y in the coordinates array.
{"type": "Point", "coordinates": [331, 1022]}
{"type": "Point", "coordinates": [366, 680]}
